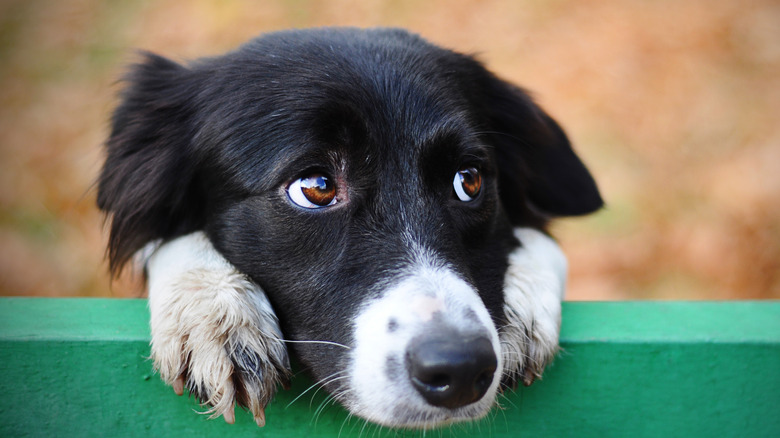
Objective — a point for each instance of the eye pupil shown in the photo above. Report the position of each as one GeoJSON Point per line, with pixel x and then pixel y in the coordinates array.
{"type": "Point", "coordinates": [318, 189]}
{"type": "Point", "coordinates": [467, 184]}
{"type": "Point", "coordinates": [471, 181]}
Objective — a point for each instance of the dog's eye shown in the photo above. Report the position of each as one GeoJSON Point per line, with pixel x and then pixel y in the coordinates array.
{"type": "Point", "coordinates": [467, 183]}
{"type": "Point", "coordinates": [313, 191]}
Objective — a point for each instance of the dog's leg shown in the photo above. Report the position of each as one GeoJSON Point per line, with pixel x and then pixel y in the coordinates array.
{"type": "Point", "coordinates": [533, 290]}
{"type": "Point", "coordinates": [213, 329]}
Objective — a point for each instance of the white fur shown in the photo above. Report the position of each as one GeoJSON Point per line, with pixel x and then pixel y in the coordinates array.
{"type": "Point", "coordinates": [391, 399]}
{"type": "Point", "coordinates": [533, 289]}
{"type": "Point", "coordinates": [204, 315]}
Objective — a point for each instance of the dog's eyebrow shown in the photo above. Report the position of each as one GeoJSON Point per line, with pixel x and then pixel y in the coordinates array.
{"type": "Point", "coordinates": [308, 155]}
{"type": "Point", "coordinates": [456, 133]}
{"type": "Point", "coordinates": [452, 124]}
{"type": "Point", "coordinates": [261, 169]}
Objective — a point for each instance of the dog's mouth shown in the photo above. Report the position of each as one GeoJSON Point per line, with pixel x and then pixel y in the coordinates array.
{"type": "Point", "coordinates": [426, 354]}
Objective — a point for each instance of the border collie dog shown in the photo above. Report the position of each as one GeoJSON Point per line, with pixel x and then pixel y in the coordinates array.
{"type": "Point", "coordinates": [362, 199]}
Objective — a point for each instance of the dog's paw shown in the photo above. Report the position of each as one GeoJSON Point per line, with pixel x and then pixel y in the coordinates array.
{"type": "Point", "coordinates": [213, 330]}
{"type": "Point", "coordinates": [533, 290]}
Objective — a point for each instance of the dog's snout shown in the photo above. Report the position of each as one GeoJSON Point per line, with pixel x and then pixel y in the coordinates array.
{"type": "Point", "coordinates": [427, 349]}
{"type": "Point", "coordinates": [451, 371]}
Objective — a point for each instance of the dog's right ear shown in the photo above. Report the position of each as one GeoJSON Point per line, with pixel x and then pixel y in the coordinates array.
{"type": "Point", "coordinates": [147, 184]}
{"type": "Point", "coordinates": [540, 175]}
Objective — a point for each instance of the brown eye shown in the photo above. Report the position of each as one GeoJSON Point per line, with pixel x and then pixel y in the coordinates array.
{"type": "Point", "coordinates": [313, 191]}
{"type": "Point", "coordinates": [467, 184]}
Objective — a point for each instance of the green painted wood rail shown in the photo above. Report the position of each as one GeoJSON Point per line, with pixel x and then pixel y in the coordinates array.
{"type": "Point", "coordinates": [79, 368]}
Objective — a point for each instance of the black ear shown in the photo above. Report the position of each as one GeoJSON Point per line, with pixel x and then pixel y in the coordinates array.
{"type": "Point", "coordinates": [539, 173]}
{"type": "Point", "coordinates": [147, 184]}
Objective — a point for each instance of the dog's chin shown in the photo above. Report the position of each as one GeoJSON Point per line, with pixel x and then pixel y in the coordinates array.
{"type": "Point", "coordinates": [400, 407]}
{"type": "Point", "coordinates": [413, 415]}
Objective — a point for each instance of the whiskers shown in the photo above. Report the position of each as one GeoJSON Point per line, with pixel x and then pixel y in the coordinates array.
{"type": "Point", "coordinates": [339, 375]}
{"type": "Point", "coordinates": [346, 347]}
{"type": "Point", "coordinates": [330, 399]}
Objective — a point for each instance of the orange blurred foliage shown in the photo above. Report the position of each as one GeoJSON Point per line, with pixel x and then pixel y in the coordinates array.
{"type": "Point", "coordinates": [674, 106]}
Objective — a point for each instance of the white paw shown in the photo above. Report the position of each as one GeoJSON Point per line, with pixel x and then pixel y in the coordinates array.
{"type": "Point", "coordinates": [533, 290]}
{"type": "Point", "coordinates": [213, 330]}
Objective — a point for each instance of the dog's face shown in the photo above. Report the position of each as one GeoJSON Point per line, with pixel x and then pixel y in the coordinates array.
{"type": "Point", "coordinates": [369, 182]}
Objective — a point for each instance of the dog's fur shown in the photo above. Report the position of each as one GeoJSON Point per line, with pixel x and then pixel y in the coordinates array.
{"type": "Point", "coordinates": [200, 179]}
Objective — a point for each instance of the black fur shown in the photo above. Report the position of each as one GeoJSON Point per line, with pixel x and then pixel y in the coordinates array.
{"type": "Point", "coordinates": [213, 146]}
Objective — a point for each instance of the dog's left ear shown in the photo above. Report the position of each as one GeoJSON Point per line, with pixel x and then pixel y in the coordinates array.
{"type": "Point", "coordinates": [536, 162]}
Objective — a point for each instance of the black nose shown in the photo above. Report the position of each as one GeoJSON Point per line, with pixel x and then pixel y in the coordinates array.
{"type": "Point", "coordinates": [450, 371]}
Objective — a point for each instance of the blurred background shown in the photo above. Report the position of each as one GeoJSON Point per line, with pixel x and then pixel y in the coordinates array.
{"type": "Point", "coordinates": [674, 106]}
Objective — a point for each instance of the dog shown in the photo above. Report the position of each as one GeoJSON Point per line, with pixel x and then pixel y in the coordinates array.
{"type": "Point", "coordinates": [362, 199]}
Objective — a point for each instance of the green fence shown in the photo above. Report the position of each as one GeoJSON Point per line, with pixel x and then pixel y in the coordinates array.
{"type": "Point", "coordinates": [79, 367]}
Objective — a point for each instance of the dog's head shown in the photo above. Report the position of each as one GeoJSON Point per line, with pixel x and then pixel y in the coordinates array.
{"type": "Point", "coordinates": [369, 182]}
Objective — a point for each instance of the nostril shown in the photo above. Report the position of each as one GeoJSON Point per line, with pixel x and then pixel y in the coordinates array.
{"type": "Point", "coordinates": [484, 379]}
{"type": "Point", "coordinates": [437, 382]}
{"type": "Point", "coordinates": [440, 381]}
{"type": "Point", "coordinates": [449, 371]}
